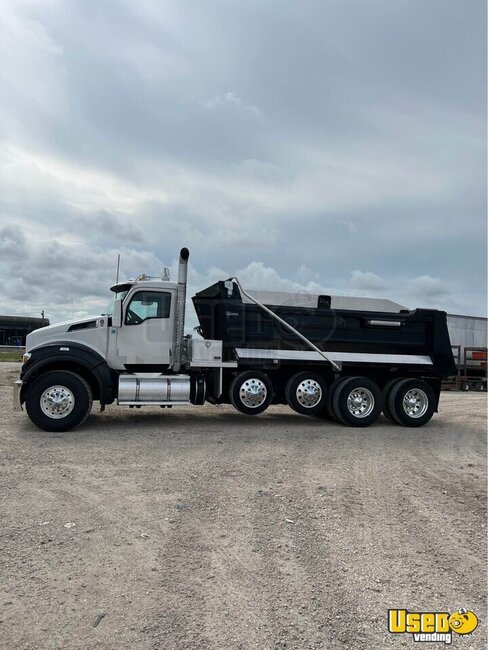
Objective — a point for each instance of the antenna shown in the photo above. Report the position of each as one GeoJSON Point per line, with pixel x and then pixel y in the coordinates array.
{"type": "Point", "coordinates": [118, 268]}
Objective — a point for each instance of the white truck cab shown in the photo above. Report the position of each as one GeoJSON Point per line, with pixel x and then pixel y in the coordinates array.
{"type": "Point", "coordinates": [144, 336]}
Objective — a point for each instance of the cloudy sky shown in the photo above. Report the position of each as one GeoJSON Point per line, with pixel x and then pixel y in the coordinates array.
{"type": "Point", "coordinates": [323, 145]}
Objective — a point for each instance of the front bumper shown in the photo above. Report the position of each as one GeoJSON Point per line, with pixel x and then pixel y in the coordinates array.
{"type": "Point", "coordinates": [16, 395]}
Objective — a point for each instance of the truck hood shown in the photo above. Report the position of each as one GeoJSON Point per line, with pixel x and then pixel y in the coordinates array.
{"type": "Point", "coordinates": [59, 331]}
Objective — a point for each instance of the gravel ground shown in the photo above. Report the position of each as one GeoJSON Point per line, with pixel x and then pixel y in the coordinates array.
{"type": "Point", "coordinates": [203, 528]}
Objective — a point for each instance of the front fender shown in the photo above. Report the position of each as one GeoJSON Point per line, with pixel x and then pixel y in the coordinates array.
{"type": "Point", "coordinates": [69, 356]}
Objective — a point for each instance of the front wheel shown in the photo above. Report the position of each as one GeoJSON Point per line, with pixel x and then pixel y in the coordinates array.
{"type": "Point", "coordinates": [58, 401]}
{"type": "Point", "coordinates": [251, 392]}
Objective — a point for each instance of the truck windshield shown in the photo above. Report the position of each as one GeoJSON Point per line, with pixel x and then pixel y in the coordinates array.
{"type": "Point", "coordinates": [108, 311]}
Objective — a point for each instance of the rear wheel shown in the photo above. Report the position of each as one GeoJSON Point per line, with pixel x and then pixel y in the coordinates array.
{"type": "Point", "coordinates": [251, 392]}
{"type": "Point", "coordinates": [412, 402]}
{"type": "Point", "coordinates": [481, 387]}
{"type": "Point", "coordinates": [357, 401]}
{"type": "Point", "coordinates": [306, 393]}
{"type": "Point", "coordinates": [58, 401]}
{"type": "Point", "coordinates": [330, 394]}
{"type": "Point", "coordinates": [386, 393]}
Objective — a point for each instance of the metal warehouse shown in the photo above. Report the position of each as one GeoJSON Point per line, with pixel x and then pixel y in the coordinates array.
{"type": "Point", "coordinates": [467, 331]}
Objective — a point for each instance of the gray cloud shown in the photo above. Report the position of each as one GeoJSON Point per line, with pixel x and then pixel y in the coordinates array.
{"type": "Point", "coordinates": [295, 142]}
{"type": "Point", "coordinates": [103, 226]}
{"type": "Point", "coordinates": [366, 281]}
{"type": "Point", "coordinates": [12, 243]}
{"type": "Point", "coordinates": [427, 287]}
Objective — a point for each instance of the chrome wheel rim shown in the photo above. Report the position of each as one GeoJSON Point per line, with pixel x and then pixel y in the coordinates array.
{"type": "Point", "coordinates": [57, 402]}
{"type": "Point", "coordinates": [309, 393]}
{"type": "Point", "coordinates": [253, 393]}
{"type": "Point", "coordinates": [360, 402]}
{"type": "Point", "coordinates": [415, 403]}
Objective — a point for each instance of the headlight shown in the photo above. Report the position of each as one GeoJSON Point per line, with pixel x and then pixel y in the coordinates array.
{"type": "Point", "coordinates": [26, 356]}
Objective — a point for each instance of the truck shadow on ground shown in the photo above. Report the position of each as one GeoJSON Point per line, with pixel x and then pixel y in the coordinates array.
{"type": "Point", "coordinates": [196, 416]}
{"type": "Point", "coordinates": [215, 421]}
{"type": "Point", "coordinates": [220, 424]}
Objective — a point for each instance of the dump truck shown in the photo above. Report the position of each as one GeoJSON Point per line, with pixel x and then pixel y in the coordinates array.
{"type": "Point", "coordinates": [319, 354]}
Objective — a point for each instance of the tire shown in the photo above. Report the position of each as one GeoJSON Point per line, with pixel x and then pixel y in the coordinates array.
{"type": "Point", "coordinates": [306, 393]}
{"type": "Point", "coordinates": [481, 387]}
{"type": "Point", "coordinates": [248, 388]}
{"type": "Point", "coordinates": [412, 414]}
{"type": "Point", "coordinates": [330, 396]}
{"type": "Point", "coordinates": [357, 401]}
{"type": "Point", "coordinates": [386, 410]}
{"type": "Point", "coordinates": [465, 386]}
{"type": "Point", "coordinates": [74, 401]}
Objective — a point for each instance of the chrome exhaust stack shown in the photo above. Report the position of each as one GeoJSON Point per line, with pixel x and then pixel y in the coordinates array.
{"type": "Point", "coordinates": [180, 309]}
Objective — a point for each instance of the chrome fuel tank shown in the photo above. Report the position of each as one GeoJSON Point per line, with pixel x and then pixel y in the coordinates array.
{"type": "Point", "coordinates": [159, 389]}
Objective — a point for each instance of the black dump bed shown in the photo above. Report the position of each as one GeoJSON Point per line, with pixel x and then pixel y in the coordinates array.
{"type": "Point", "coordinates": [242, 325]}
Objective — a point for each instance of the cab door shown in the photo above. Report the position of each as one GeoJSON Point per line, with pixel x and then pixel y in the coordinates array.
{"type": "Point", "coordinates": [143, 343]}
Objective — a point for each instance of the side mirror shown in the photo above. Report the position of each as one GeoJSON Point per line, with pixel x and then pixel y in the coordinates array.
{"type": "Point", "coordinates": [117, 313]}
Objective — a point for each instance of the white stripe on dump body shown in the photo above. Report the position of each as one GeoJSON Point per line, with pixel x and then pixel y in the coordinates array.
{"type": "Point", "coordinates": [310, 355]}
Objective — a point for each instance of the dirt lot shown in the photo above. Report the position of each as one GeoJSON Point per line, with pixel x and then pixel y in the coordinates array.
{"type": "Point", "coordinates": [202, 528]}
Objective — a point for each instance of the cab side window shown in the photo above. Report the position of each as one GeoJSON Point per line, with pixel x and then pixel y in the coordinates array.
{"type": "Point", "coordinates": [147, 304]}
